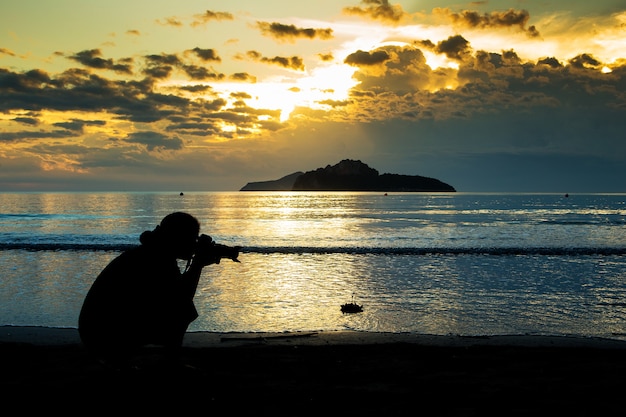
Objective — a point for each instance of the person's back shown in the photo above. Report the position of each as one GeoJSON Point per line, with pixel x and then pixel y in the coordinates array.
{"type": "Point", "coordinates": [141, 297]}
{"type": "Point", "coordinates": [130, 304]}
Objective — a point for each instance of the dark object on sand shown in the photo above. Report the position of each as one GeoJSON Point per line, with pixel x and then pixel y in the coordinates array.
{"type": "Point", "coordinates": [351, 307]}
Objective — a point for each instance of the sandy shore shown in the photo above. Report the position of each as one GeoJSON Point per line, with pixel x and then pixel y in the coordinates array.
{"type": "Point", "coordinates": [326, 373]}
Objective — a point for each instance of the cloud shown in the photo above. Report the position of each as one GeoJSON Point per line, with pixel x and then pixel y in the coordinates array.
{"type": "Point", "coordinates": [448, 105]}
{"type": "Point", "coordinates": [291, 33]}
{"type": "Point", "coordinates": [92, 59]}
{"type": "Point", "coordinates": [170, 21]}
{"type": "Point", "coordinates": [378, 10]}
{"type": "Point", "coordinates": [17, 82]}
{"type": "Point", "coordinates": [455, 47]}
{"type": "Point", "coordinates": [404, 86]}
{"type": "Point", "coordinates": [155, 141]}
{"type": "Point", "coordinates": [366, 58]}
{"type": "Point", "coordinates": [5, 51]}
{"type": "Point", "coordinates": [162, 66]}
{"type": "Point", "coordinates": [585, 61]}
{"type": "Point", "coordinates": [30, 135]}
{"type": "Point", "coordinates": [196, 72]}
{"type": "Point", "coordinates": [206, 54]}
{"type": "Point", "coordinates": [294, 62]}
{"type": "Point", "coordinates": [27, 120]}
{"type": "Point", "coordinates": [79, 125]}
{"type": "Point", "coordinates": [243, 76]}
{"type": "Point", "coordinates": [79, 90]}
{"type": "Point", "coordinates": [326, 57]}
{"type": "Point", "coordinates": [496, 19]}
{"type": "Point", "coordinates": [207, 16]}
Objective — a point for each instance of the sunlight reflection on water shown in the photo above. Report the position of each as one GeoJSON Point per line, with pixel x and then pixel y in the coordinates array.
{"type": "Point", "coordinates": [471, 293]}
{"type": "Point", "coordinates": [435, 294]}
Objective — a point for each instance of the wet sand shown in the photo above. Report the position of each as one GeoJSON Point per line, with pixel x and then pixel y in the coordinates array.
{"type": "Point", "coordinates": [323, 374]}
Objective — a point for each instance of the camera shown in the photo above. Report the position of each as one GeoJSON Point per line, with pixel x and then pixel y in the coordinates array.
{"type": "Point", "coordinates": [208, 248]}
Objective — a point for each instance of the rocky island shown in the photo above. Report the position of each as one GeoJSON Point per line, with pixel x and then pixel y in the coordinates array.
{"type": "Point", "coordinates": [350, 175]}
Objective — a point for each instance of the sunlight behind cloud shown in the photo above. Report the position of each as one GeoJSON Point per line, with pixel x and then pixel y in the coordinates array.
{"type": "Point", "coordinates": [332, 82]}
{"type": "Point", "coordinates": [248, 90]}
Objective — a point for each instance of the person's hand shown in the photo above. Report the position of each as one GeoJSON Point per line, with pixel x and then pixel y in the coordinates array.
{"type": "Point", "coordinates": [205, 258]}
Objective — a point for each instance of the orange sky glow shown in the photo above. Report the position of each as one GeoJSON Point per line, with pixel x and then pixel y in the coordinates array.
{"type": "Point", "coordinates": [487, 96]}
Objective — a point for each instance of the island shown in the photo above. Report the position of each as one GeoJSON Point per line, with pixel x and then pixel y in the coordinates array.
{"type": "Point", "coordinates": [350, 175]}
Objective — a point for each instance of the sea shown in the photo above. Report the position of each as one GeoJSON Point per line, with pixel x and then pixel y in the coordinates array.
{"type": "Point", "coordinates": [468, 264]}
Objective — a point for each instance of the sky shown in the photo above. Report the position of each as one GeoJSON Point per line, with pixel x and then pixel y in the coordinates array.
{"type": "Point", "coordinates": [153, 95]}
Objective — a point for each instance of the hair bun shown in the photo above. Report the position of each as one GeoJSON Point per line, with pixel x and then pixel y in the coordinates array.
{"type": "Point", "coordinates": [148, 237]}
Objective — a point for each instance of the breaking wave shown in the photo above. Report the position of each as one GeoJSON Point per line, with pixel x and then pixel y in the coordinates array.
{"type": "Point", "coordinates": [296, 250]}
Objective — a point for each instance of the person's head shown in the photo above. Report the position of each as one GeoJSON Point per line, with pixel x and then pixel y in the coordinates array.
{"type": "Point", "coordinates": [177, 234]}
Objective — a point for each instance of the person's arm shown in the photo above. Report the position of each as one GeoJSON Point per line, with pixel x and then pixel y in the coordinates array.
{"type": "Point", "coordinates": [191, 277]}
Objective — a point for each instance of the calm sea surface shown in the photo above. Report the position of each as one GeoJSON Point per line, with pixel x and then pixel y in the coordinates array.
{"type": "Point", "coordinates": [459, 263]}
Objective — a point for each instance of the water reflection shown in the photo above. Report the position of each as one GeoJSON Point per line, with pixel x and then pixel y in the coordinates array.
{"type": "Point", "coordinates": [46, 288]}
{"type": "Point", "coordinates": [467, 294]}
{"type": "Point", "coordinates": [272, 220]}
{"type": "Point", "coordinates": [273, 291]}
{"type": "Point", "coordinates": [461, 294]}
{"type": "Point", "coordinates": [277, 293]}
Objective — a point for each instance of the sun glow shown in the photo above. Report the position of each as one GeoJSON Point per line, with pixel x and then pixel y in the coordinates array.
{"type": "Point", "coordinates": [313, 90]}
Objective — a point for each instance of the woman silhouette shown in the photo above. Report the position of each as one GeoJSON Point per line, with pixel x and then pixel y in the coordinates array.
{"type": "Point", "coordinates": [142, 297]}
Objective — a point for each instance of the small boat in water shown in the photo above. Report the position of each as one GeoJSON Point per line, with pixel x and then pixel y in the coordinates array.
{"type": "Point", "coordinates": [351, 307]}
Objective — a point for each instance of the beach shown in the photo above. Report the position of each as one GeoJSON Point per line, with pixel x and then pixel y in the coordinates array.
{"type": "Point", "coordinates": [326, 373]}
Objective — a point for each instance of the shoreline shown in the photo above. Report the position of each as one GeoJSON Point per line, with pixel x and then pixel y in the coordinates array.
{"type": "Point", "coordinates": [324, 373]}
{"type": "Point", "coordinates": [56, 336]}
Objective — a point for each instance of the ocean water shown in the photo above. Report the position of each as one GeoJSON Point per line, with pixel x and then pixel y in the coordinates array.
{"type": "Point", "coordinates": [442, 263]}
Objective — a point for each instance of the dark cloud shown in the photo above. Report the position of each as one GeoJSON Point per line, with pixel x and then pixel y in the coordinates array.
{"type": "Point", "coordinates": [455, 47]}
{"type": "Point", "coordinates": [360, 57]}
{"type": "Point", "coordinates": [92, 59]}
{"type": "Point", "coordinates": [496, 19]}
{"type": "Point", "coordinates": [32, 121]}
{"type": "Point", "coordinates": [398, 78]}
{"type": "Point", "coordinates": [551, 62]}
{"type": "Point", "coordinates": [196, 72]}
{"type": "Point", "coordinates": [79, 125]}
{"type": "Point", "coordinates": [204, 18]}
{"type": "Point", "coordinates": [585, 61]}
{"type": "Point", "coordinates": [196, 128]}
{"type": "Point", "coordinates": [5, 51]}
{"type": "Point", "coordinates": [291, 32]}
{"type": "Point", "coordinates": [155, 141]}
{"type": "Point", "coordinates": [404, 86]}
{"type": "Point", "coordinates": [162, 66]}
{"type": "Point", "coordinates": [378, 10]}
{"type": "Point", "coordinates": [326, 57]}
{"type": "Point", "coordinates": [243, 76]}
{"type": "Point", "coordinates": [40, 134]}
{"type": "Point", "coordinates": [294, 62]}
{"type": "Point", "coordinates": [163, 59]}
{"type": "Point", "coordinates": [241, 95]}
{"type": "Point", "coordinates": [206, 54]}
{"type": "Point", "coordinates": [213, 105]}
{"type": "Point", "coordinates": [335, 103]}
{"type": "Point", "coordinates": [17, 82]}
{"type": "Point", "coordinates": [196, 88]}
{"type": "Point", "coordinates": [78, 90]}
